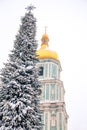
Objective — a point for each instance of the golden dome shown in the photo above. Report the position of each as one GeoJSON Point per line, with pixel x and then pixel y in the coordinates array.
{"type": "Point", "coordinates": [44, 51]}
{"type": "Point", "coordinates": [45, 37]}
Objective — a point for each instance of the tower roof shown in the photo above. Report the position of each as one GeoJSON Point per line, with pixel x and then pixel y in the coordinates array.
{"type": "Point", "coordinates": [44, 51]}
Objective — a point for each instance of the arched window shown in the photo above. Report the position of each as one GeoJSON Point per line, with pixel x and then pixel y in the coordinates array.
{"type": "Point", "coordinates": [54, 71]}
{"type": "Point", "coordinates": [41, 71]}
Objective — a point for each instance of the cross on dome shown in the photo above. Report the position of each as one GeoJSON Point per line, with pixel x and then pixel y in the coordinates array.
{"type": "Point", "coordinates": [45, 29]}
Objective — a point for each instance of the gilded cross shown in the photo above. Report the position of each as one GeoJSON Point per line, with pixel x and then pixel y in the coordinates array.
{"type": "Point", "coordinates": [45, 29]}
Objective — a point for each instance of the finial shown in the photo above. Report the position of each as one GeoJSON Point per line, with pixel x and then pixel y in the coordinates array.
{"type": "Point", "coordinates": [45, 29]}
{"type": "Point", "coordinates": [29, 8]}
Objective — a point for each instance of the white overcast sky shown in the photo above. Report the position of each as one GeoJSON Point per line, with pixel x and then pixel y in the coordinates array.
{"type": "Point", "coordinates": [67, 29]}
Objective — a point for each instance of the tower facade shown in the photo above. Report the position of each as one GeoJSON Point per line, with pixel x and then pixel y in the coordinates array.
{"type": "Point", "coordinates": [52, 104]}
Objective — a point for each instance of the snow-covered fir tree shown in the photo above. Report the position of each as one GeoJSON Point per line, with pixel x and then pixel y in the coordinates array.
{"type": "Point", "coordinates": [20, 88]}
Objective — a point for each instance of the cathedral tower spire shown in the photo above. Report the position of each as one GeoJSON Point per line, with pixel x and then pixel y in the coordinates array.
{"type": "Point", "coordinates": [45, 39]}
{"type": "Point", "coordinates": [52, 104]}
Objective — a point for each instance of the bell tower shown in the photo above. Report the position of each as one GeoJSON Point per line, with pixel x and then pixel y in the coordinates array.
{"type": "Point", "coordinates": [52, 104]}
